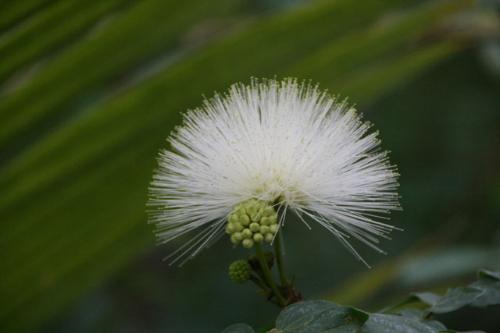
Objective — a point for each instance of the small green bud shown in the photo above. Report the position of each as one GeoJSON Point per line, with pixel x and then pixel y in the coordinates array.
{"type": "Point", "coordinates": [245, 220]}
{"type": "Point", "coordinates": [264, 229]}
{"type": "Point", "coordinates": [233, 218]}
{"type": "Point", "coordinates": [273, 228]}
{"type": "Point", "coordinates": [258, 238]}
{"type": "Point", "coordinates": [266, 220]}
{"type": "Point", "coordinates": [269, 237]}
{"type": "Point", "coordinates": [246, 233]}
{"type": "Point", "coordinates": [268, 211]}
{"type": "Point", "coordinates": [247, 243]}
{"type": "Point", "coordinates": [239, 271]}
{"type": "Point", "coordinates": [251, 210]}
{"type": "Point", "coordinates": [235, 239]}
{"type": "Point", "coordinates": [273, 219]}
{"type": "Point", "coordinates": [237, 227]}
{"type": "Point", "coordinates": [256, 217]}
{"type": "Point", "coordinates": [230, 228]}
{"type": "Point", "coordinates": [254, 227]}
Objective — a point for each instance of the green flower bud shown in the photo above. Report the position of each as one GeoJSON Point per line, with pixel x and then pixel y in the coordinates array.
{"type": "Point", "coordinates": [233, 218]}
{"type": "Point", "coordinates": [239, 271]}
{"type": "Point", "coordinates": [230, 228]}
{"type": "Point", "coordinates": [237, 227]}
{"type": "Point", "coordinates": [264, 229]}
{"type": "Point", "coordinates": [268, 211]}
{"type": "Point", "coordinates": [235, 239]}
{"type": "Point", "coordinates": [245, 220]}
{"type": "Point", "coordinates": [246, 233]}
{"type": "Point", "coordinates": [258, 238]}
{"type": "Point", "coordinates": [254, 227]}
{"type": "Point", "coordinates": [247, 243]}
{"type": "Point", "coordinates": [266, 220]}
{"type": "Point", "coordinates": [252, 209]}
{"type": "Point", "coordinates": [256, 217]}
{"type": "Point", "coordinates": [273, 228]}
{"type": "Point", "coordinates": [269, 237]}
{"type": "Point", "coordinates": [240, 210]}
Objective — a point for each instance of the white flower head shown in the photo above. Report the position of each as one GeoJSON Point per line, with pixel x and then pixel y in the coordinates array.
{"type": "Point", "coordinates": [281, 142]}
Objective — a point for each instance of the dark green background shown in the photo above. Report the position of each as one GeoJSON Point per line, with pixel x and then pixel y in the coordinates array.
{"type": "Point", "coordinates": [89, 90]}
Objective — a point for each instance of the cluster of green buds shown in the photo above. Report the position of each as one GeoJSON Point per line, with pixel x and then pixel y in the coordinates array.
{"type": "Point", "coordinates": [253, 221]}
{"type": "Point", "coordinates": [239, 271]}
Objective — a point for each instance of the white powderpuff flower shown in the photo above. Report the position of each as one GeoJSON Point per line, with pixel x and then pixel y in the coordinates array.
{"type": "Point", "coordinates": [273, 140]}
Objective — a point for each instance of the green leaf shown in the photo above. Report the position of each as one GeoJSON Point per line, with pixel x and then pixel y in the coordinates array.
{"type": "Point", "coordinates": [427, 297]}
{"type": "Point", "coordinates": [423, 298]}
{"type": "Point", "coordinates": [14, 12]}
{"type": "Point", "coordinates": [485, 291]}
{"type": "Point", "coordinates": [323, 316]}
{"type": "Point", "coordinates": [485, 274]}
{"type": "Point", "coordinates": [384, 323]}
{"type": "Point", "coordinates": [412, 313]}
{"type": "Point", "coordinates": [455, 298]}
{"type": "Point", "coordinates": [452, 331]}
{"type": "Point", "coordinates": [320, 316]}
{"type": "Point", "coordinates": [64, 22]}
{"type": "Point", "coordinates": [239, 328]}
{"type": "Point", "coordinates": [87, 67]}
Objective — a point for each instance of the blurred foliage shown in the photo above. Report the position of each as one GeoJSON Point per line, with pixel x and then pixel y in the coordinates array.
{"type": "Point", "coordinates": [90, 90]}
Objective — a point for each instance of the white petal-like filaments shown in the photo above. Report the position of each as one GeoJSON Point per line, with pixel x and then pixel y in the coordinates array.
{"type": "Point", "coordinates": [268, 140]}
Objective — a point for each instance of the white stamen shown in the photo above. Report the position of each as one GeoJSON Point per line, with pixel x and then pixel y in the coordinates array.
{"type": "Point", "coordinates": [268, 140]}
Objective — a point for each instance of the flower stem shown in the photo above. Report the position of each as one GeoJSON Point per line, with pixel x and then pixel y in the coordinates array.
{"type": "Point", "coordinates": [268, 275]}
{"type": "Point", "coordinates": [259, 283]}
{"type": "Point", "coordinates": [278, 249]}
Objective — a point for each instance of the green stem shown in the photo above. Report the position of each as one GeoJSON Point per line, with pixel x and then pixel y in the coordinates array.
{"type": "Point", "coordinates": [258, 282]}
{"type": "Point", "coordinates": [268, 275]}
{"type": "Point", "coordinates": [278, 241]}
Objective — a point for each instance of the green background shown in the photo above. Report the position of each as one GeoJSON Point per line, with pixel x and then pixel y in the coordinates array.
{"type": "Point", "coordinates": [89, 90]}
